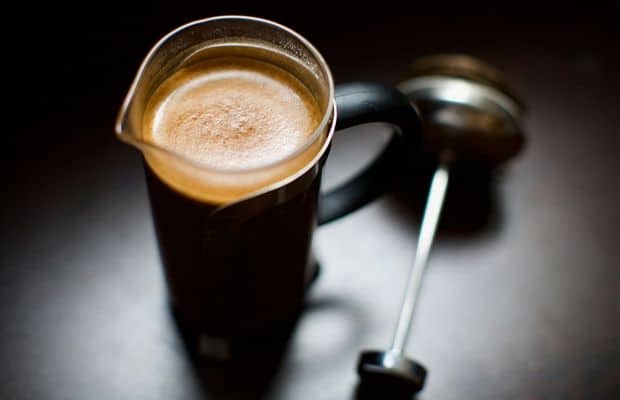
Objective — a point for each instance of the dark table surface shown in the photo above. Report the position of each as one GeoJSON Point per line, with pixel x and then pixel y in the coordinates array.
{"type": "Point", "coordinates": [521, 296]}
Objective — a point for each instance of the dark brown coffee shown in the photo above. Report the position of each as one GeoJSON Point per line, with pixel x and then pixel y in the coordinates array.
{"type": "Point", "coordinates": [231, 277]}
{"type": "Point", "coordinates": [233, 274]}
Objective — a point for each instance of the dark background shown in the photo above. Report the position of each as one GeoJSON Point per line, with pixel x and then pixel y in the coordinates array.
{"type": "Point", "coordinates": [521, 300]}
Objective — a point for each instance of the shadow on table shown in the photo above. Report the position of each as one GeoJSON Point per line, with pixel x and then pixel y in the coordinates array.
{"type": "Point", "coordinates": [259, 361]}
{"type": "Point", "coordinates": [250, 375]}
{"type": "Point", "coordinates": [471, 207]}
{"type": "Point", "coordinates": [256, 360]}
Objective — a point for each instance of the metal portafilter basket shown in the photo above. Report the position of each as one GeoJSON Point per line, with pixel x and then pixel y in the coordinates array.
{"type": "Point", "coordinates": [470, 116]}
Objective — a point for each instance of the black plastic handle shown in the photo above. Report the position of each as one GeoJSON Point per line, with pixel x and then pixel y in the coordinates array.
{"type": "Point", "coordinates": [360, 103]}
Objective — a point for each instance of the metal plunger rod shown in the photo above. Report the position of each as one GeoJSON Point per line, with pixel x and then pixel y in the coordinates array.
{"type": "Point", "coordinates": [430, 220]}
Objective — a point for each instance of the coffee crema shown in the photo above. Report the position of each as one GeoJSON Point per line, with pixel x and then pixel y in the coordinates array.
{"type": "Point", "coordinates": [229, 114]}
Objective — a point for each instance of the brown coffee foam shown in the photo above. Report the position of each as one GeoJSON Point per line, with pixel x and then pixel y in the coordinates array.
{"type": "Point", "coordinates": [229, 114]}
